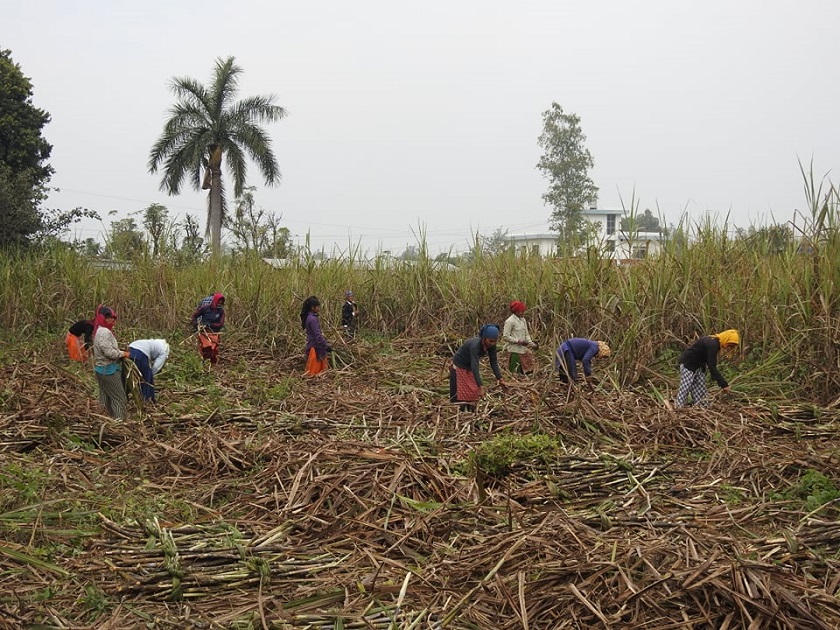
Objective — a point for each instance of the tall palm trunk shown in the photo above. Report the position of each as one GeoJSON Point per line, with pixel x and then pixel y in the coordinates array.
{"type": "Point", "coordinates": [214, 215]}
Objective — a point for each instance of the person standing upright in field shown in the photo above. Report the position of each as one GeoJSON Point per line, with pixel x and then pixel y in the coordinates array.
{"type": "Point", "coordinates": [465, 384]}
{"type": "Point", "coordinates": [317, 348]}
{"type": "Point", "coordinates": [693, 362]}
{"type": "Point", "coordinates": [518, 342]}
{"type": "Point", "coordinates": [349, 313]}
{"type": "Point", "coordinates": [106, 363]}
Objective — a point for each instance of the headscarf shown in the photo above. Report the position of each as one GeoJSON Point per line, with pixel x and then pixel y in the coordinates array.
{"type": "Point", "coordinates": [102, 312]}
{"type": "Point", "coordinates": [217, 297]}
{"type": "Point", "coordinates": [489, 331]}
{"type": "Point", "coordinates": [517, 307]}
{"type": "Point", "coordinates": [727, 337]}
{"type": "Point", "coordinates": [603, 349]}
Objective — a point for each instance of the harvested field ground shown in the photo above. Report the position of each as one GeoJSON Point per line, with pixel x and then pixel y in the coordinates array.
{"type": "Point", "coordinates": [254, 498]}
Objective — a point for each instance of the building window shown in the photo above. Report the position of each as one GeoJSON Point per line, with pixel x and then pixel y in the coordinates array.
{"type": "Point", "coordinates": [609, 246]}
{"type": "Point", "coordinates": [639, 253]}
{"type": "Point", "coordinates": [610, 224]}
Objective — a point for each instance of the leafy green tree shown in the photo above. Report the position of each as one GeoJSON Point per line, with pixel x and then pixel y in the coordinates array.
{"type": "Point", "coordinates": [256, 230]}
{"type": "Point", "coordinates": [645, 222]}
{"type": "Point", "coordinates": [19, 201]}
{"type": "Point", "coordinates": [55, 222]}
{"type": "Point", "coordinates": [191, 248]}
{"type": "Point", "coordinates": [770, 240]}
{"type": "Point", "coordinates": [205, 125]}
{"type": "Point", "coordinates": [278, 241]}
{"type": "Point", "coordinates": [156, 222]}
{"type": "Point", "coordinates": [125, 240]}
{"type": "Point", "coordinates": [90, 247]}
{"type": "Point", "coordinates": [566, 163]}
{"type": "Point", "coordinates": [411, 252]}
{"type": "Point", "coordinates": [22, 147]}
{"type": "Point", "coordinates": [496, 243]}
{"type": "Point", "coordinates": [24, 171]}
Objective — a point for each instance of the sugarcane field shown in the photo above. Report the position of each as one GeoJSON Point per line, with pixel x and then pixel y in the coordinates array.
{"type": "Point", "coordinates": [248, 494]}
{"type": "Point", "coordinates": [419, 316]}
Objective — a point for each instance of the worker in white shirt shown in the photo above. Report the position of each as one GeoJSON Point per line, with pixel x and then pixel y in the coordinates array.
{"type": "Point", "coordinates": [148, 355]}
{"type": "Point", "coordinates": [518, 342]}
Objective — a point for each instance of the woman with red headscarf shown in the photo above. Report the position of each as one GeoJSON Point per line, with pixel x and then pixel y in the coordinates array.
{"type": "Point", "coordinates": [210, 313]}
{"type": "Point", "coordinates": [209, 319]}
{"type": "Point", "coordinates": [518, 342]}
{"type": "Point", "coordinates": [106, 363]}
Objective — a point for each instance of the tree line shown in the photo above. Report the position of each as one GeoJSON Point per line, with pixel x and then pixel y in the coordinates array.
{"type": "Point", "coordinates": [209, 131]}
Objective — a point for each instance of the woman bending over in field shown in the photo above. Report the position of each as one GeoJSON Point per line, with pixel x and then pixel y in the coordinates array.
{"type": "Point", "coordinates": [578, 349]}
{"type": "Point", "coordinates": [693, 363]}
{"type": "Point", "coordinates": [317, 347]}
{"type": "Point", "coordinates": [465, 385]}
{"type": "Point", "coordinates": [210, 313]}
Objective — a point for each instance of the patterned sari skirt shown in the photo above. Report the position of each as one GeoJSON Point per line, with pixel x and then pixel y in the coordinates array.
{"type": "Point", "coordinates": [462, 385]}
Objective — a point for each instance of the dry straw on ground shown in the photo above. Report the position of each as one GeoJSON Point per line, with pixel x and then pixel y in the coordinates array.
{"type": "Point", "coordinates": [348, 503]}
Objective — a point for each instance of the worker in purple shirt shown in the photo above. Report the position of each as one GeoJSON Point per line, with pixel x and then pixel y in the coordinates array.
{"type": "Point", "coordinates": [578, 349]}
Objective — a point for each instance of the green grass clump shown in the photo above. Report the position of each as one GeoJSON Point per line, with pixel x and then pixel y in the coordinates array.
{"type": "Point", "coordinates": [814, 489]}
{"type": "Point", "coordinates": [21, 484]}
{"type": "Point", "coordinates": [497, 457]}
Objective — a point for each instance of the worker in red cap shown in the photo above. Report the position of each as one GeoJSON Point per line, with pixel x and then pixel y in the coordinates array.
{"type": "Point", "coordinates": [518, 343]}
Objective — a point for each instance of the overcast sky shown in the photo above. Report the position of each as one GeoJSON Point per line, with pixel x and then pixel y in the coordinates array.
{"type": "Point", "coordinates": [405, 117]}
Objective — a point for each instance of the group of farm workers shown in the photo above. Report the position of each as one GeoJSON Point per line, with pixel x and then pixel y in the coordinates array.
{"type": "Point", "coordinates": [149, 355]}
{"type": "Point", "coordinates": [465, 383]}
{"type": "Point", "coordinates": [97, 336]}
{"type": "Point", "coordinates": [466, 386]}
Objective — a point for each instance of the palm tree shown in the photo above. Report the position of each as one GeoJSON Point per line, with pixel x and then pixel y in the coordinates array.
{"type": "Point", "coordinates": [206, 124]}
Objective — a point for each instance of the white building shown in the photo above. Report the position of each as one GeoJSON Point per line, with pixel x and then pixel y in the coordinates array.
{"type": "Point", "coordinates": [609, 238]}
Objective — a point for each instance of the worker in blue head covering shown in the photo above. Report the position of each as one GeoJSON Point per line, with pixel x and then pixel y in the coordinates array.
{"type": "Point", "coordinates": [465, 384]}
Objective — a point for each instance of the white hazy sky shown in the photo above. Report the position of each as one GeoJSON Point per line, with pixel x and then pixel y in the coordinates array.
{"type": "Point", "coordinates": [425, 116]}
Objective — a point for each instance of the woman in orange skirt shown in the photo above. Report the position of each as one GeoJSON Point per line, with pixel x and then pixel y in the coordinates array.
{"type": "Point", "coordinates": [317, 347]}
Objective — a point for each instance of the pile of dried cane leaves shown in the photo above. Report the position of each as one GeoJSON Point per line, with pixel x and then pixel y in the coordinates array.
{"type": "Point", "coordinates": [267, 500]}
